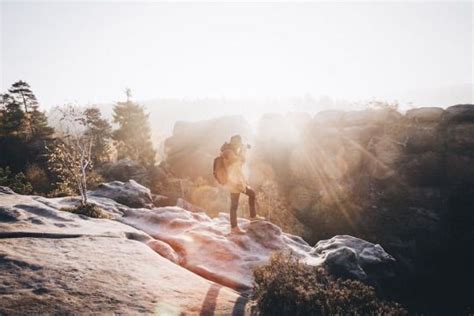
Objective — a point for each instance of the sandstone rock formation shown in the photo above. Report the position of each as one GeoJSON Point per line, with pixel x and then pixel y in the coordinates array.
{"type": "Point", "coordinates": [129, 193]}
{"type": "Point", "coordinates": [193, 145]}
{"type": "Point", "coordinates": [204, 246]}
{"type": "Point", "coordinates": [124, 170]}
{"type": "Point", "coordinates": [53, 261]}
{"type": "Point", "coordinates": [403, 180]}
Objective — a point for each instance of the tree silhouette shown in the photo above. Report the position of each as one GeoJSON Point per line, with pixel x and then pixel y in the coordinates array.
{"type": "Point", "coordinates": [101, 131]}
{"type": "Point", "coordinates": [12, 134]}
{"type": "Point", "coordinates": [133, 134]}
{"type": "Point", "coordinates": [12, 116]}
{"type": "Point", "coordinates": [36, 122]}
{"type": "Point", "coordinates": [21, 93]}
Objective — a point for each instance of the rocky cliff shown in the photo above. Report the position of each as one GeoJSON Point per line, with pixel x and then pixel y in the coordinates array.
{"type": "Point", "coordinates": [144, 259]}
{"type": "Point", "coordinates": [405, 181]}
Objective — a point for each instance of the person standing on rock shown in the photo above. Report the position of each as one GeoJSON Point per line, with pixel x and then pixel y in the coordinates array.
{"type": "Point", "coordinates": [228, 171]}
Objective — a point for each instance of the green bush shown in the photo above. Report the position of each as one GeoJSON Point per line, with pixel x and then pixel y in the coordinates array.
{"type": "Point", "coordinates": [89, 210]}
{"type": "Point", "coordinates": [287, 286]}
{"type": "Point", "coordinates": [17, 182]}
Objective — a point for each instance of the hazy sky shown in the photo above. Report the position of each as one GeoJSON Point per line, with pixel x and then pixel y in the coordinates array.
{"type": "Point", "coordinates": [90, 51]}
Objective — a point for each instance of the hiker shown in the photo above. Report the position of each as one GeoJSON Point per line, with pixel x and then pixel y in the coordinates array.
{"type": "Point", "coordinates": [228, 171]}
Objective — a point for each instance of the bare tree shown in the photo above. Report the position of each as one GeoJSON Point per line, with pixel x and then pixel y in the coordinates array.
{"type": "Point", "coordinates": [71, 156]}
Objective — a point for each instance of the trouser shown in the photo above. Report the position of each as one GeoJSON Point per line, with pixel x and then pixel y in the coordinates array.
{"type": "Point", "coordinates": [234, 204]}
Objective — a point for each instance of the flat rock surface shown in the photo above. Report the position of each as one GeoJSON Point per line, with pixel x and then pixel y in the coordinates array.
{"type": "Point", "coordinates": [56, 262]}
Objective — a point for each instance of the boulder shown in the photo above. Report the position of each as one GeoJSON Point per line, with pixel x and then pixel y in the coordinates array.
{"type": "Point", "coordinates": [370, 117]}
{"type": "Point", "coordinates": [425, 114]}
{"type": "Point", "coordinates": [128, 193]}
{"type": "Point", "coordinates": [350, 257]}
{"type": "Point", "coordinates": [6, 190]}
{"type": "Point", "coordinates": [124, 170]}
{"type": "Point", "coordinates": [461, 137]}
{"type": "Point", "coordinates": [459, 113]}
{"type": "Point", "coordinates": [423, 137]}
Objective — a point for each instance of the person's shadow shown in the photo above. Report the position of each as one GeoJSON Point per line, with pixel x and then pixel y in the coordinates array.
{"type": "Point", "coordinates": [209, 305]}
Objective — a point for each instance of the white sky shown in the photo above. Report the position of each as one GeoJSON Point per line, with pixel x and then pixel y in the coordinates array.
{"type": "Point", "coordinates": [89, 52]}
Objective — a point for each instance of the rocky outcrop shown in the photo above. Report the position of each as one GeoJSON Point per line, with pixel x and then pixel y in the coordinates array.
{"type": "Point", "coordinates": [187, 172]}
{"type": "Point", "coordinates": [128, 193]}
{"type": "Point", "coordinates": [352, 155]}
{"type": "Point", "coordinates": [425, 114]}
{"type": "Point", "coordinates": [351, 257]}
{"type": "Point", "coordinates": [406, 181]}
{"type": "Point", "coordinates": [204, 246]}
{"type": "Point", "coordinates": [124, 170]}
{"type": "Point", "coordinates": [403, 180]}
{"type": "Point", "coordinates": [55, 262]}
{"type": "Point", "coordinates": [460, 113]}
{"type": "Point", "coordinates": [193, 145]}
{"type": "Point", "coordinates": [458, 126]}
{"type": "Point", "coordinates": [425, 148]}
{"type": "Point", "coordinates": [164, 260]}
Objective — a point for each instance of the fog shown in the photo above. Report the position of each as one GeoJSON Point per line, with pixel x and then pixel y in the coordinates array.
{"type": "Point", "coordinates": [258, 57]}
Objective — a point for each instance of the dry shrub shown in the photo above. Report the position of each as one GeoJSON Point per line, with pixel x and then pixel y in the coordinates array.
{"type": "Point", "coordinates": [89, 210]}
{"type": "Point", "coordinates": [38, 178]}
{"type": "Point", "coordinates": [286, 286]}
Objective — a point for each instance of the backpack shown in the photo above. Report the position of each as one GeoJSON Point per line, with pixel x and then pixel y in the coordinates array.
{"type": "Point", "coordinates": [219, 170]}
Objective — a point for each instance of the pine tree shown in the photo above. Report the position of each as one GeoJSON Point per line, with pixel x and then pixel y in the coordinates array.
{"type": "Point", "coordinates": [22, 93]}
{"type": "Point", "coordinates": [2, 111]}
{"type": "Point", "coordinates": [133, 134]}
{"type": "Point", "coordinates": [12, 134]}
{"type": "Point", "coordinates": [12, 116]}
{"type": "Point", "coordinates": [101, 131]}
{"type": "Point", "coordinates": [39, 124]}
{"type": "Point", "coordinates": [36, 122]}
{"type": "Point", "coordinates": [25, 131]}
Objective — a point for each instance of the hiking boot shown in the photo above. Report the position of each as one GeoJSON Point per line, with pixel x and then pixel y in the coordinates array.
{"type": "Point", "coordinates": [237, 231]}
{"type": "Point", "coordinates": [257, 218]}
